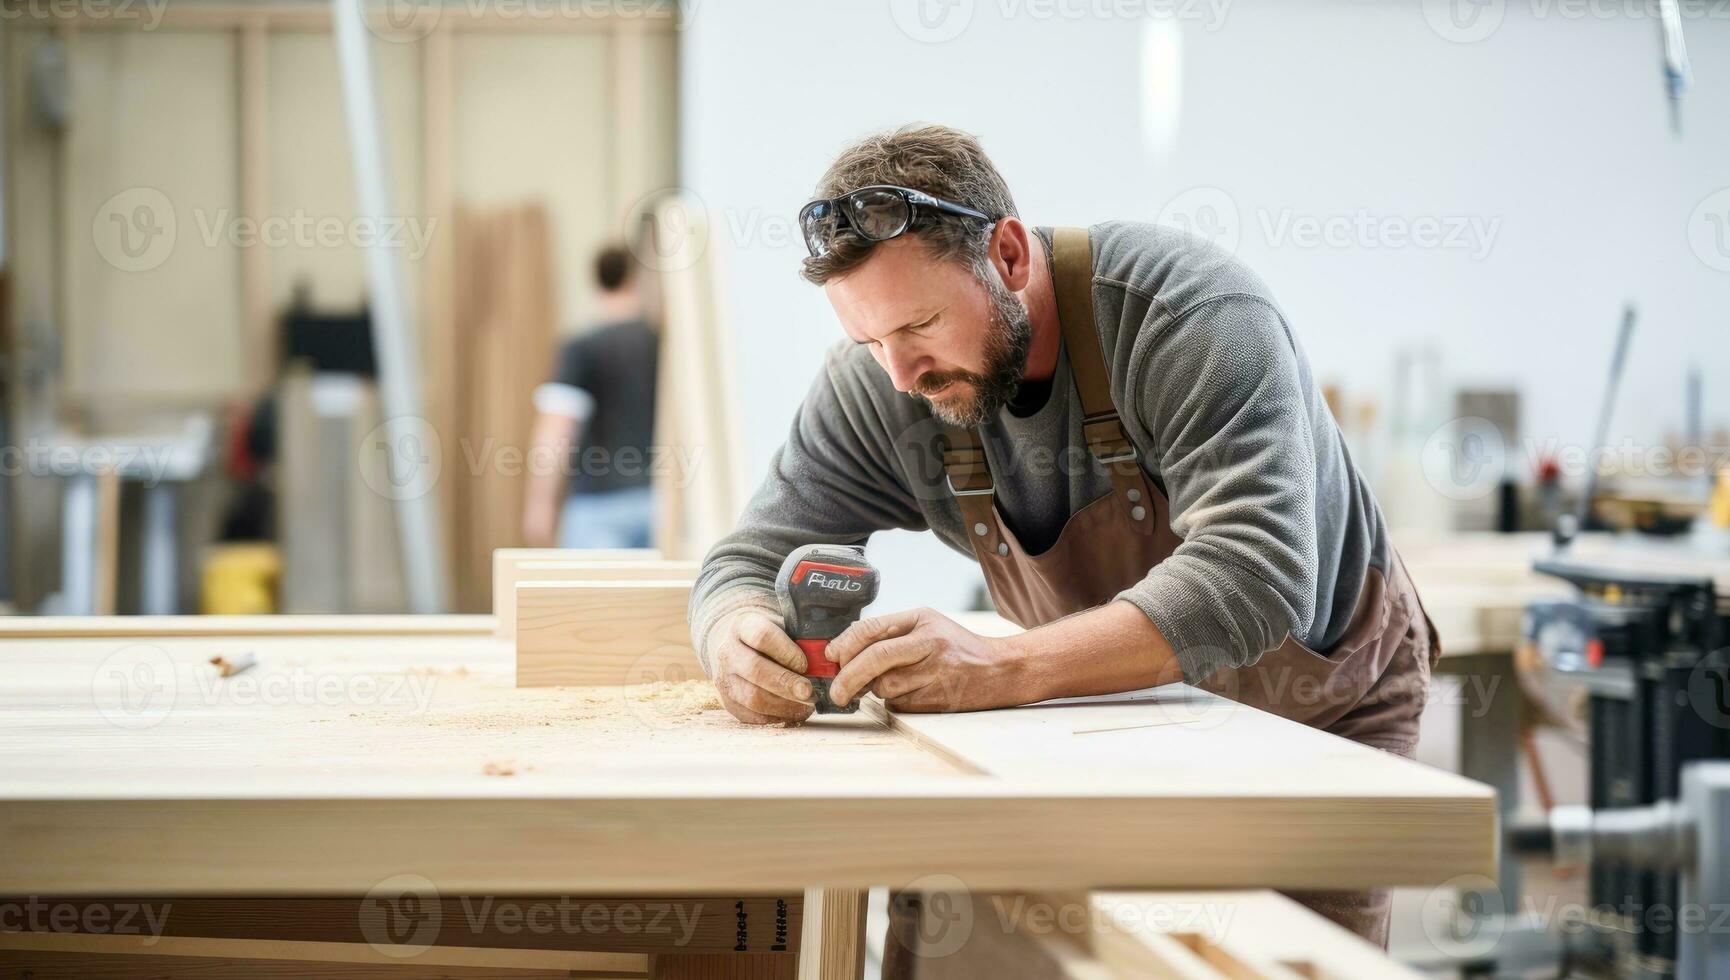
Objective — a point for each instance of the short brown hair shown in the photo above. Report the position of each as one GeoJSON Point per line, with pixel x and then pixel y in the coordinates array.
{"type": "Point", "coordinates": [612, 268]}
{"type": "Point", "coordinates": [943, 162]}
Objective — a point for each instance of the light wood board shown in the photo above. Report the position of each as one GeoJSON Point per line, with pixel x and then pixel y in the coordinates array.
{"type": "Point", "coordinates": [603, 633]}
{"type": "Point", "coordinates": [130, 769]}
{"type": "Point", "coordinates": [512, 566]}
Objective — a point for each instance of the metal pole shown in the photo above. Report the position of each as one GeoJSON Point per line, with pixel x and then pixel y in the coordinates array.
{"type": "Point", "coordinates": [418, 525]}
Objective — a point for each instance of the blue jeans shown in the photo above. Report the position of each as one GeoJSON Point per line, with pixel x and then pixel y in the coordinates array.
{"type": "Point", "coordinates": [614, 519]}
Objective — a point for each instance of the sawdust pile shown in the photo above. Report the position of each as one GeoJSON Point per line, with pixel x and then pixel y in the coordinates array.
{"type": "Point", "coordinates": [464, 703]}
{"type": "Point", "coordinates": [677, 698]}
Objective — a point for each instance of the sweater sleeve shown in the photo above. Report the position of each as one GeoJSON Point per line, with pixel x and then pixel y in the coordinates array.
{"type": "Point", "coordinates": [1220, 390]}
{"type": "Point", "coordinates": [834, 481]}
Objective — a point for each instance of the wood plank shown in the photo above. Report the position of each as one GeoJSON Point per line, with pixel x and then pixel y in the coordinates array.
{"type": "Point", "coordinates": [597, 924]}
{"type": "Point", "coordinates": [220, 16]}
{"type": "Point", "coordinates": [514, 565]}
{"type": "Point", "coordinates": [728, 966]}
{"type": "Point", "coordinates": [105, 568]}
{"type": "Point", "coordinates": [604, 633]}
{"type": "Point", "coordinates": [1258, 934]}
{"type": "Point", "coordinates": [251, 951]}
{"type": "Point", "coordinates": [259, 351]}
{"type": "Point", "coordinates": [833, 944]}
{"type": "Point", "coordinates": [25, 627]}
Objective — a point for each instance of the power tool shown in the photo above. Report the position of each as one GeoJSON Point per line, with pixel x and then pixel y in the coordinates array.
{"type": "Point", "coordinates": [822, 588]}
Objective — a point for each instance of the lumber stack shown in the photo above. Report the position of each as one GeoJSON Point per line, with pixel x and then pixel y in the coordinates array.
{"type": "Point", "coordinates": [594, 618]}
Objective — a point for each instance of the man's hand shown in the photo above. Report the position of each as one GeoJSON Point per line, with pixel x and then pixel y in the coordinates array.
{"type": "Point", "coordinates": [756, 667]}
{"type": "Point", "coordinates": [920, 660]}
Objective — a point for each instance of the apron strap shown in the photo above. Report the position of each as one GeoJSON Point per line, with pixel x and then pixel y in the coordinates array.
{"type": "Point", "coordinates": [1072, 281]}
{"type": "Point", "coordinates": [964, 462]}
{"type": "Point", "coordinates": [969, 478]}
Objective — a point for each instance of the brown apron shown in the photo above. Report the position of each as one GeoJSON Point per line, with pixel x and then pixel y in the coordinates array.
{"type": "Point", "coordinates": [1369, 688]}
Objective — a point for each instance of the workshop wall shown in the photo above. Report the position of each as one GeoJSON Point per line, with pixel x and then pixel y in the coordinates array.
{"type": "Point", "coordinates": [1552, 131]}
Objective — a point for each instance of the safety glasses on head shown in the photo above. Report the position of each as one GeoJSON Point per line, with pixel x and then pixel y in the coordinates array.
{"type": "Point", "coordinates": [877, 213]}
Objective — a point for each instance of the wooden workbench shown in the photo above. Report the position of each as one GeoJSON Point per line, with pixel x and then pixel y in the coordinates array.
{"type": "Point", "coordinates": [343, 761]}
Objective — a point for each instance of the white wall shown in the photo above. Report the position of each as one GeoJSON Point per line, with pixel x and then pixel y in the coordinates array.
{"type": "Point", "coordinates": [1552, 131]}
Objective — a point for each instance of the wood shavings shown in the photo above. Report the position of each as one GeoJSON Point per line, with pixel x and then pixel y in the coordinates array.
{"type": "Point", "coordinates": [228, 668]}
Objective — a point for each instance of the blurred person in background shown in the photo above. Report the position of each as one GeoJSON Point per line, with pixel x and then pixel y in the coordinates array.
{"type": "Point", "coordinates": [597, 415]}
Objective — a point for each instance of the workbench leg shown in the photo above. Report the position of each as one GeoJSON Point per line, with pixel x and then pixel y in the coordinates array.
{"type": "Point", "coordinates": [832, 938]}
{"type": "Point", "coordinates": [78, 516]}
{"type": "Point", "coordinates": [1490, 750]}
{"type": "Point", "coordinates": [159, 576]}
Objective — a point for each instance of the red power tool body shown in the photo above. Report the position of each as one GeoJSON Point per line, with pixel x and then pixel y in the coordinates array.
{"type": "Point", "coordinates": [823, 588]}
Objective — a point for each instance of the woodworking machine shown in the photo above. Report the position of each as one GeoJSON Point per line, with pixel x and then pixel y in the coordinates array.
{"type": "Point", "coordinates": [1649, 649]}
{"type": "Point", "coordinates": [823, 588]}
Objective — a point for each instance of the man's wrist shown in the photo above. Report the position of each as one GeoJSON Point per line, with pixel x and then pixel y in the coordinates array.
{"type": "Point", "coordinates": [1018, 661]}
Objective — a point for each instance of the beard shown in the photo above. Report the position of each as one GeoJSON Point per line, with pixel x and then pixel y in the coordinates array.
{"type": "Point", "coordinates": [1007, 341]}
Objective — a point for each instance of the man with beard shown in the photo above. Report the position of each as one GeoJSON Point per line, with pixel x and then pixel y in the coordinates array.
{"type": "Point", "coordinates": [1117, 423]}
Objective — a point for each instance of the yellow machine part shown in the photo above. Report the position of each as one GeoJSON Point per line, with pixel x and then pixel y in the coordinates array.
{"type": "Point", "coordinates": [240, 579]}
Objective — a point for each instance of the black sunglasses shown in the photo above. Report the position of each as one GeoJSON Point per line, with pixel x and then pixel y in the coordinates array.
{"type": "Point", "coordinates": [876, 213]}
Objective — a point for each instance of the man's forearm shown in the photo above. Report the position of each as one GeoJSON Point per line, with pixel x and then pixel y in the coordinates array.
{"type": "Point", "coordinates": [1105, 650]}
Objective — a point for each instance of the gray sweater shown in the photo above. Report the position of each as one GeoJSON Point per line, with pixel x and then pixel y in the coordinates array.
{"type": "Point", "coordinates": [1279, 527]}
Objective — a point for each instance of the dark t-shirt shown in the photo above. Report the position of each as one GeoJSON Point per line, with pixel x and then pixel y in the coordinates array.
{"type": "Point", "coordinates": [614, 363]}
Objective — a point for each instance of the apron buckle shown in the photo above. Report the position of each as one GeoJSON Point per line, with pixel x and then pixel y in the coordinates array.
{"type": "Point", "coordinates": [947, 478]}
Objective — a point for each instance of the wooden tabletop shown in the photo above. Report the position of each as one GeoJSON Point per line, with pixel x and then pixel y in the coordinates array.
{"type": "Point", "coordinates": [341, 760]}
{"type": "Point", "coordinates": [1476, 586]}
